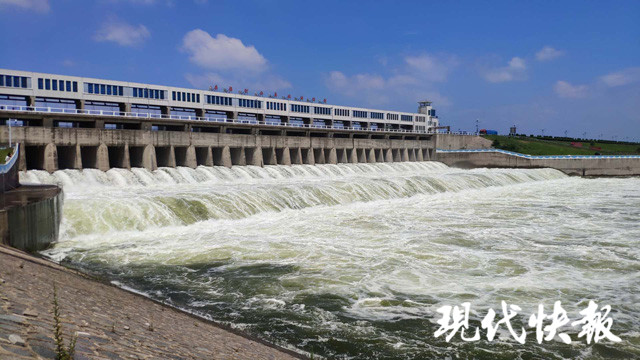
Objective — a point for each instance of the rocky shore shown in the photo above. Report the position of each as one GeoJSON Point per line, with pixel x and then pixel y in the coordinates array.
{"type": "Point", "coordinates": [110, 323]}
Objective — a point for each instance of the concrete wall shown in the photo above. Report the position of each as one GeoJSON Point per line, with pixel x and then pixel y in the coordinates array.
{"type": "Point", "coordinates": [457, 142]}
{"type": "Point", "coordinates": [32, 222]}
{"type": "Point", "coordinates": [579, 167]}
{"type": "Point", "coordinates": [52, 148]}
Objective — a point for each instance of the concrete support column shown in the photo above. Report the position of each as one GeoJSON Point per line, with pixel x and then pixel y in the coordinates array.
{"type": "Point", "coordinates": [200, 113]}
{"type": "Point", "coordinates": [256, 157]}
{"type": "Point", "coordinates": [388, 155]}
{"type": "Point", "coordinates": [208, 161]}
{"type": "Point", "coordinates": [380, 155]}
{"type": "Point", "coordinates": [22, 158]}
{"type": "Point", "coordinates": [320, 158]}
{"type": "Point", "coordinates": [50, 158]}
{"type": "Point", "coordinates": [296, 157]}
{"type": "Point", "coordinates": [172, 157]}
{"type": "Point", "coordinates": [272, 159]}
{"type": "Point", "coordinates": [31, 101]}
{"type": "Point", "coordinates": [412, 155]}
{"type": "Point", "coordinates": [126, 158]}
{"type": "Point", "coordinates": [102, 157]}
{"type": "Point", "coordinates": [342, 156]}
{"type": "Point", "coordinates": [77, 162]}
{"type": "Point", "coordinates": [353, 157]}
{"type": "Point", "coordinates": [333, 157]}
{"type": "Point", "coordinates": [286, 157]}
{"type": "Point", "coordinates": [149, 160]}
{"type": "Point", "coordinates": [165, 110]}
{"type": "Point", "coordinates": [362, 156]}
{"type": "Point", "coordinates": [311, 158]}
{"type": "Point", "coordinates": [191, 160]}
{"type": "Point", "coordinates": [225, 157]}
{"type": "Point", "coordinates": [405, 154]}
{"type": "Point", "coordinates": [419, 156]}
{"type": "Point", "coordinates": [47, 122]}
{"type": "Point", "coordinates": [284, 119]}
{"type": "Point", "coordinates": [372, 156]}
{"type": "Point", "coordinates": [79, 104]}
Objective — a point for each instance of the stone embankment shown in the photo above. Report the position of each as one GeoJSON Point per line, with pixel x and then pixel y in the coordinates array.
{"type": "Point", "coordinates": [111, 323]}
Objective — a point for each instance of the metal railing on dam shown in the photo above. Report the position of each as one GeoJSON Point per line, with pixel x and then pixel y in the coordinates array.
{"type": "Point", "coordinates": [526, 156]}
{"type": "Point", "coordinates": [151, 116]}
{"type": "Point", "coordinates": [77, 139]}
{"type": "Point", "coordinates": [581, 165]}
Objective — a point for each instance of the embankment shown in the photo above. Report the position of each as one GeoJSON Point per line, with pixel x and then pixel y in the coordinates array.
{"type": "Point", "coordinates": [578, 165]}
{"type": "Point", "coordinates": [110, 322]}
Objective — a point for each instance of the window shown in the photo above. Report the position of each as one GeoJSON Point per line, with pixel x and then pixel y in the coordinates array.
{"type": "Point", "coordinates": [75, 86]}
{"type": "Point", "coordinates": [23, 82]}
{"type": "Point", "coordinates": [377, 115]}
{"type": "Point", "coordinates": [359, 114]}
{"type": "Point", "coordinates": [54, 84]}
{"type": "Point", "coordinates": [406, 117]}
{"type": "Point", "coordinates": [16, 81]}
{"type": "Point", "coordinates": [321, 110]}
{"type": "Point", "coordinates": [40, 83]}
{"type": "Point", "coordinates": [69, 86]}
{"type": "Point", "coordinates": [299, 108]}
{"type": "Point", "coordinates": [47, 84]}
{"type": "Point", "coordinates": [393, 116]}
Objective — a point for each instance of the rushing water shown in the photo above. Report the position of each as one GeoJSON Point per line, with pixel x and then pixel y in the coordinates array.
{"type": "Point", "coordinates": [352, 261]}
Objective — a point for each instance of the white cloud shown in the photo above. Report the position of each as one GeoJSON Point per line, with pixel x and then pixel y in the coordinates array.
{"type": "Point", "coordinates": [222, 52]}
{"type": "Point", "coordinates": [431, 68]}
{"type": "Point", "coordinates": [122, 33]}
{"type": "Point", "coordinates": [36, 5]}
{"type": "Point", "coordinates": [566, 90]}
{"type": "Point", "coordinates": [548, 53]}
{"type": "Point", "coordinates": [414, 79]}
{"type": "Point", "coordinates": [515, 70]}
{"type": "Point", "coordinates": [623, 77]}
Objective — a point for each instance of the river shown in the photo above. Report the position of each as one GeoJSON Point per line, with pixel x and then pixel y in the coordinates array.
{"type": "Point", "coordinates": [353, 261]}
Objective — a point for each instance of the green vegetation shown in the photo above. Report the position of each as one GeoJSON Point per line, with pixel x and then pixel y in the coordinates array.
{"type": "Point", "coordinates": [561, 146]}
{"type": "Point", "coordinates": [3, 153]}
{"type": "Point", "coordinates": [62, 352]}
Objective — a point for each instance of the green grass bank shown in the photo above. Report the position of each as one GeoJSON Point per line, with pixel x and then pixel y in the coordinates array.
{"type": "Point", "coordinates": [562, 146]}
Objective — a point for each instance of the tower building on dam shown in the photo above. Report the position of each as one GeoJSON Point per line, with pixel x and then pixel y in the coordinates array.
{"type": "Point", "coordinates": [67, 122]}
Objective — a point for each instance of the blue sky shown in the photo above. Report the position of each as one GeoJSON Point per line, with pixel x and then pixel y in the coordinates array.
{"type": "Point", "coordinates": [559, 66]}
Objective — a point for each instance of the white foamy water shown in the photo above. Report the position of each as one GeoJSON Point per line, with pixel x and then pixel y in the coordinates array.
{"type": "Point", "coordinates": [351, 261]}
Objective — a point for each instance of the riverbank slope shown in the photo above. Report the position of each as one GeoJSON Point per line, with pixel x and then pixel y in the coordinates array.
{"type": "Point", "coordinates": [111, 323]}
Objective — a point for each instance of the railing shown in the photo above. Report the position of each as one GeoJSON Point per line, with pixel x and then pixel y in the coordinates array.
{"type": "Point", "coordinates": [541, 156]}
{"type": "Point", "coordinates": [39, 109]}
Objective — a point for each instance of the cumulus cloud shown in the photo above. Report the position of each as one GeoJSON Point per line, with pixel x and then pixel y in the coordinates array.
{"type": "Point", "coordinates": [221, 52]}
{"type": "Point", "coordinates": [566, 90]}
{"type": "Point", "coordinates": [623, 77]}
{"type": "Point", "coordinates": [414, 79]}
{"type": "Point", "coordinates": [35, 5]}
{"type": "Point", "coordinates": [515, 70]}
{"type": "Point", "coordinates": [548, 53]}
{"type": "Point", "coordinates": [122, 33]}
{"type": "Point", "coordinates": [227, 62]}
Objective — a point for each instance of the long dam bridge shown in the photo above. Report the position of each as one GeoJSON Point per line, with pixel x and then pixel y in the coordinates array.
{"type": "Point", "coordinates": [69, 122]}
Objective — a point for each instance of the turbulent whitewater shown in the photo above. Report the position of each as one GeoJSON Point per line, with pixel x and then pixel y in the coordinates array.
{"type": "Point", "coordinates": [352, 260]}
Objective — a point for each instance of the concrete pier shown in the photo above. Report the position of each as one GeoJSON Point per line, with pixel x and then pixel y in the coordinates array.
{"type": "Point", "coordinates": [54, 148]}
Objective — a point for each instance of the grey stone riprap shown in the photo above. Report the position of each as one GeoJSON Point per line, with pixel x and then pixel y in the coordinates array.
{"type": "Point", "coordinates": [110, 323]}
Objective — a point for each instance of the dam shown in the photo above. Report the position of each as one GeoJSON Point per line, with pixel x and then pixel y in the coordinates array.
{"type": "Point", "coordinates": [67, 122]}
